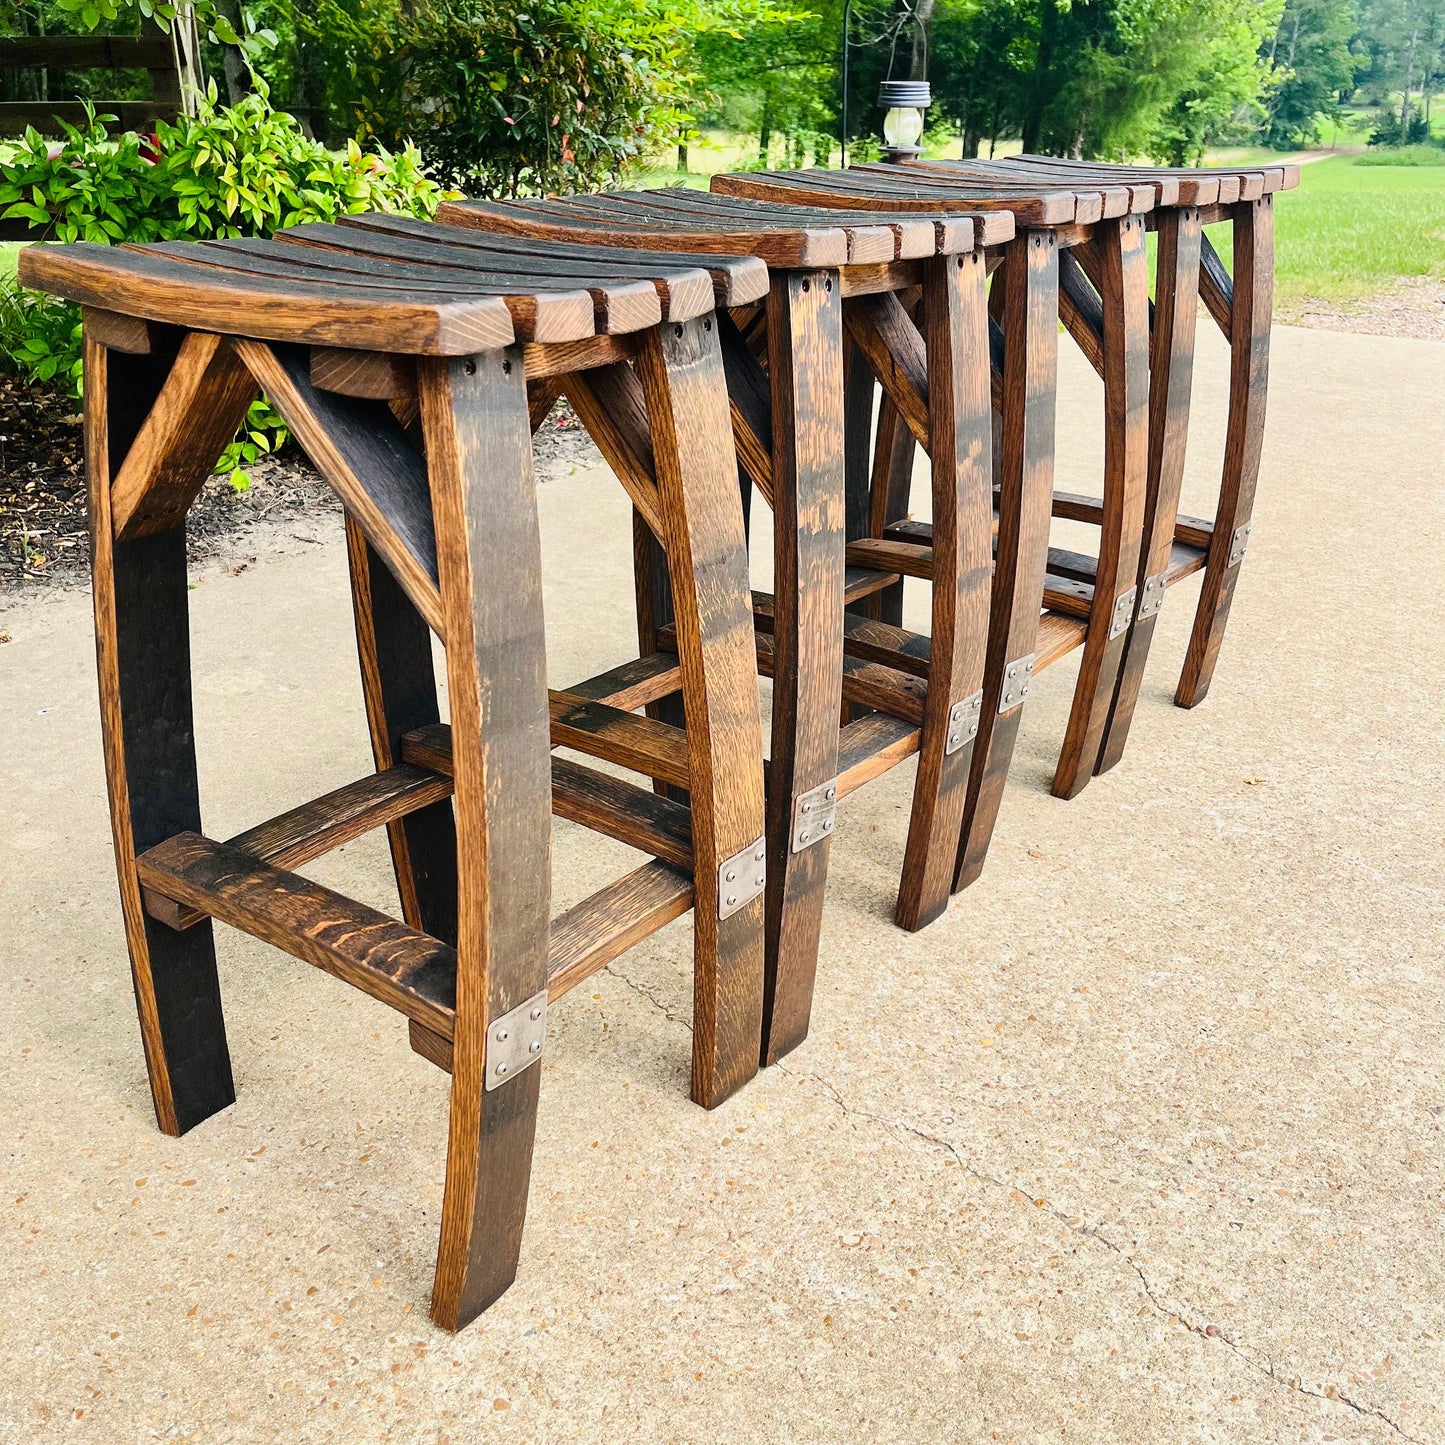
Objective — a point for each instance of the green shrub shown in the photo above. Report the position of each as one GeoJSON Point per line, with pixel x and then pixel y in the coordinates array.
{"type": "Point", "coordinates": [1415, 155]}
{"type": "Point", "coordinates": [242, 170]}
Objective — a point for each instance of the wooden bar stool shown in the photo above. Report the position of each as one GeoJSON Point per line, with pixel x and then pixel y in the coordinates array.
{"type": "Point", "coordinates": [406, 379]}
{"type": "Point", "coordinates": [1240, 299]}
{"type": "Point", "coordinates": [1039, 616]}
{"type": "Point", "coordinates": [836, 274]}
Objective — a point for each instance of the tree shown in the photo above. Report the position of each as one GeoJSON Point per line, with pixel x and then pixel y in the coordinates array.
{"type": "Point", "coordinates": [1309, 53]}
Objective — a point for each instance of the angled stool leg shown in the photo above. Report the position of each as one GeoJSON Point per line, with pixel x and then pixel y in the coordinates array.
{"type": "Point", "coordinates": [479, 459]}
{"type": "Point", "coordinates": [805, 365]}
{"type": "Point", "coordinates": [1171, 375]}
{"type": "Point", "coordinates": [398, 684]}
{"type": "Point", "coordinates": [1124, 293]}
{"type": "Point", "coordinates": [1247, 302]}
{"type": "Point", "coordinates": [955, 317]}
{"type": "Point", "coordinates": [143, 655]}
{"type": "Point", "coordinates": [1030, 274]}
{"type": "Point", "coordinates": [680, 368]}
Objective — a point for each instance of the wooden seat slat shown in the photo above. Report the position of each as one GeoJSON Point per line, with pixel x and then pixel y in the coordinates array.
{"type": "Point", "coordinates": [737, 280]}
{"type": "Point", "coordinates": [539, 314]}
{"type": "Point", "coordinates": [621, 304]}
{"type": "Point", "coordinates": [847, 189]}
{"type": "Point", "coordinates": [642, 744]}
{"type": "Point", "coordinates": [164, 288]}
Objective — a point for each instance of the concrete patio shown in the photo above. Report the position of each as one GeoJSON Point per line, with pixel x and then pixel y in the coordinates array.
{"type": "Point", "coordinates": [1140, 1143]}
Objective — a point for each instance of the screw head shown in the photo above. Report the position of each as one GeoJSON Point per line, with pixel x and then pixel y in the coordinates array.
{"type": "Point", "coordinates": [831, 794]}
{"type": "Point", "coordinates": [804, 836]}
{"type": "Point", "coordinates": [807, 807]}
{"type": "Point", "coordinates": [535, 1047]}
{"type": "Point", "coordinates": [827, 825]}
{"type": "Point", "coordinates": [732, 898]}
{"type": "Point", "coordinates": [502, 1035]}
{"type": "Point", "coordinates": [761, 854]}
{"type": "Point", "coordinates": [536, 1014]}
{"type": "Point", "coordinates": [731, 875]}
{"type": "Point", "coordinates": [501, 1068]}
{"type": "Point", "coordinates": [762, 879]}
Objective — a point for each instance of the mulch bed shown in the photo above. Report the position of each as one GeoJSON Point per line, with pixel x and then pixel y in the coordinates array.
{"type": "Point", "coordinates": [43, 536]}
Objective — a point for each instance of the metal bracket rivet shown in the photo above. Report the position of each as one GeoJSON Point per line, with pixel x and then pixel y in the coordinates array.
{"type": "Point", "coordinates": [515, 1040]}
{"type": "Point", "coordinates": [1123, 613]}
{"type": "Point", "coordinates": [1153, 599]}
{"type": "Point", "coordinates": [963, 720]}
{"type": "Point", "coordinates": [1017, 676]}
{"type": "Point", "coordinates": [741, 878]}
{"type": "Point", "coordinates": [1239, 542]}
{"type": "Point", "coordinates": [814, 815]}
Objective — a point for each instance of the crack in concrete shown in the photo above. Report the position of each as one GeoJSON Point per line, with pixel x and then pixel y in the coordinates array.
{"type": "Point", "coordinates": [1264, 1367]}
{"type": "Point", "coordinates": [644, 992]}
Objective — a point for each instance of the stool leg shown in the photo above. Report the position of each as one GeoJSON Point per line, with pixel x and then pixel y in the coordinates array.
{"type": "Point", "coordinates": [398, 684]}
{"type": "Point", "coordinates": [1030, 275]}
{"type": "Point", "coordinates": [805, 362]}
{"type": "Point", "coordinates": [479, 459]}
{"type": "Point", "coordinates": [1124, 293]}
{"type": "Point", "coordinates": [1250, 304]}
{"type": "Point", "coordinates": [1171, 375]}
{"type": "Point", "coordinates": [680, 368]}
{"type": "Point", "coordinates": [955, 318]}
{"type": "Point", "coordinates": [143, 655]}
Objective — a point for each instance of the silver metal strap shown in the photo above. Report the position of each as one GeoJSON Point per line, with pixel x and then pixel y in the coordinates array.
{"type": "Point", "coordinates": [814, 814]}
{"type": "Point", "coordinates": [741, 878]}
{"type": "Point", "coordinates": [514, 1041]}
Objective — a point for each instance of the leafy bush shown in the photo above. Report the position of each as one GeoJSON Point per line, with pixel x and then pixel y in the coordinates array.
{"type": "Point", "coordinates": [501, 100]}
{"type": "Point", "coordinates": [1415, 155]}
{"type": "Point", "coordinates": [1389, 132]}
{"type": "Point", "coordinates": [242, 170]}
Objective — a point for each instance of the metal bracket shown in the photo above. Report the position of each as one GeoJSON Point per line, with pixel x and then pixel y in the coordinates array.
{"type": "Point", "coordinates": [1153, 595]}
{"type": "Point", "coordinates": [514, 1041]}
{"type": "Point", "coordinates": [1123, 613]}
{"type": "Point", "coordinates": [741, 878]}
{"type": "Point", "coordinates": [1016, 679]}
{"type": "Point", "coordinates": [963, 719]}
{"type": "Point", "coordinates": [1239, 542]}
{"type": "Point", "coordinates": [814, 814]}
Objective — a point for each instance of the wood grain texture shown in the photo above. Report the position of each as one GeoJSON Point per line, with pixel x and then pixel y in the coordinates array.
{"type": "Point", "coordinates": [1249, 326]}
{"type": "Point", "coordinates": [955, 312]}
{"type": "Point", "coordinates": [386, 959]}
{"type": "Point", "coordinates": [681, 371]}
{"type": "Point", "coordinates": [806, 488]}
{"type": "Point", "coordinates": [640, 744]}
{"type": "Point", "coordinates": [1028, 310]}
{"type": "Point", "coordinates": [1171, 372]}
{"type": "Point", "coordinates": [479, 458]}
{"type": "Point", "coordinates": [142, 645]}
{"type": "Point", "coordinates": [167, 288]}
{"type": "Point", "coordinates": [886, 335]}
{"type": "Point", "coordinates": [398, 685]}
{"type": "Point", "coordinates": [196, 414]}
{"type": "Point", "coordinates": [362, 451]}
{"type": "Point", "coordinates": [1124, 297]}
{"type": "Point", "coordinates": [610, 405]}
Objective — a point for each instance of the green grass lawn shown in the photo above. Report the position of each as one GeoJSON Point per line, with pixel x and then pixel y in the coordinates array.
{"type": "Point", "coordinates": [1351, 229]}
{"type": "Point", "coordinates": [8, 255]}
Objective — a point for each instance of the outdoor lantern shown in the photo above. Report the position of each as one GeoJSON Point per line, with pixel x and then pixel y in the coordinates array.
{"type": "Point", "coordinates": [904, 102]}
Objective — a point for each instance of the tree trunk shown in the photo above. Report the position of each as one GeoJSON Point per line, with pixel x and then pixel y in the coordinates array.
{"type": "Point", "coordinates": [1041, 88]}
{"type": "Point", "coordinates": [237, 72]}
{"type": "Point", "coordinates": [922, 29]}
{"type": "Point", "coordinates": [1409, 81]}
{"type": "Point", "coordinates": [309, 80]}
{"type": "Point", "coordinates": [682, 156]}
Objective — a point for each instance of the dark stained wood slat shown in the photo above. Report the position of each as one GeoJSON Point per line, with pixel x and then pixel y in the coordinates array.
{"type": "Point", "coordinates": [202, 403]}
{"type": "Point", "coordinates": [735, 280]}
{"type": "Point", "coordinates": [895, 350]}
{"type": "Point", "coordinates": [869, 746]}
{"type": "Point", "coordinates": [407, 970]}
{"type": "Point", "coordinates": [362, 451]}
{"type": "Point", "coordinates": [869, 190]}
{"type": "Point", "coordinates": [603, 927]}
{"type": "Point", "coordinates": [908, 559]}
{"type": "Point", "coordinates": [620, 304]}
{"type": "Point", "coordinates": [538, 313]}
{"type": "Point", "coordinates": [619, 809]}
{"type": "Point", "coordinates": [301, 834]}
{"type": "Point", "coordinates": [785, 248]}
{"type": "Point", "coordinates": [609, 403]}
{"type": "Point", "coordinates": [632, 684]}
{"type": "Point", "coordinates": [638, 743]}
{"type": "Point", "coordinates": [1114, 199]}
{"type": "Point", "coordinates": [162, 288]}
